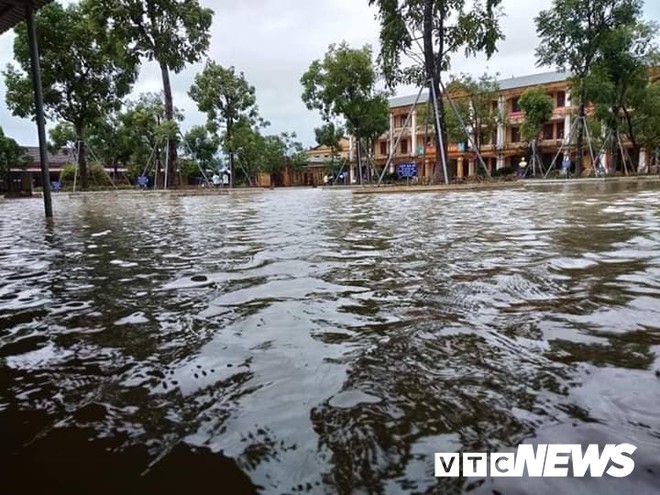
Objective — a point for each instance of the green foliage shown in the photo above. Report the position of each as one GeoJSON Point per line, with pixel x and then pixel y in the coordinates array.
{"type": "Point", "coordinates": [618, 79]}
{"type": "Point", "coordinates": [573, 32]}
{"type": "Point", "coordinates": [269, 154]}
{"type": "Point", "coordinates": [146, 128]}
{"type": "Point", "coordinates": [228, 100]}
{"type": "Point", "coordinates": [645, 119]}
{"type": "Point", "coordinates": [250, 151]}
{"type": "Point", "coordinates": [203, 148]}
{"type": "Point", "coordinates": [576, 34]}
{"type": "Point", "coordinates": [418, 38]}
{"type": "Point", "coordinates": [112, 140]}
{"type": "Point", "coordinates": [473, 99]}
{"type": "Point", "coordinates": [63, 135]}
{"type": "Point", "coordinates": [172, 32]}
{"type": "Point", "coordinates": [83, 78]}
{"type": "Point", "coordinates": [342, 85]}
{"type": "Point", "coordinates": [97, 175]}
{"type": "Point", "coordinates": [505, 171]}
{"type": "Point", "coordinates": [330, 135]}
{"type": "Point", "coordinates": [538, 107]}
{"type": "Point", "coordinates": [11, 155]}
{"type": "Point", "coordinates": [445, 28]}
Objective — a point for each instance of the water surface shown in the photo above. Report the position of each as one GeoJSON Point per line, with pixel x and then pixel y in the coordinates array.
{"type": "Point", "coordinates": [310, 341]}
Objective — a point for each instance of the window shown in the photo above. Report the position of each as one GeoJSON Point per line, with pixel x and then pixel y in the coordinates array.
{"type": "Point", "coordinates": [560, 131]}
{"type": "Point", "coordinates": [383, 147]}
{"type": "Point", "coordinates": [548, 131]}
{"type": "Point", "coordinates": [515, 105]}
{"type": "Point", "coordinates": [515, 134]}
{"type": "Point", "coordinates": [494, 108]}
{"type": "Point", "coordinates": [404, 147]}
{"type": "Point", "coordinates": [402, 121]}
{"type": "Point", "coordinates": [561, 99]}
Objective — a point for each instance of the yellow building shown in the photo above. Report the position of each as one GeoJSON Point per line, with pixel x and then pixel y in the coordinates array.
{"type": "Point", "coordinates": [319, 164]}
{"type": "Point", "coordinates": [504, 148]}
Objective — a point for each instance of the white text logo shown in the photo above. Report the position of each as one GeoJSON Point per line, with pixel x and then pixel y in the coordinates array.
{"type": "Point", "coordinates": [547, 461]}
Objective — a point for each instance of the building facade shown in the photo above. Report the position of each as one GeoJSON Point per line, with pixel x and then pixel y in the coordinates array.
{"type": "Point", "coordinates": [505, 148]}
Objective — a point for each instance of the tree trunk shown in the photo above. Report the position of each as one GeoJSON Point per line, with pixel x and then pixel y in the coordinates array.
{"type": "Point", "coordinates": [82, 159]}
{"type": "Point", "coordinates": [230, 150]}
{"type": "Point", "coordinates": [433, 80]}
{"type": "Point", "coordinates": [358, 158]}
{"type": "Point", "coordinates": [614, 150]}
{"type": "Point", "coordinates": [172, 175]}
{"type": "Point", "coordinates": [580, 131]}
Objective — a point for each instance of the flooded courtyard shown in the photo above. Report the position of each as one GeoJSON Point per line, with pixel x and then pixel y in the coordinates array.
{"type": "Point", "coordinates": [313, 341]}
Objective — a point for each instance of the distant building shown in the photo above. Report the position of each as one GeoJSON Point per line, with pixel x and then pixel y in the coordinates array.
{"type": "Point", "coordinates": [320, 163]}
{"type": "Point", "coordinates": [57, 160]}
{"type": "Point", "coordinates": [505, 147]}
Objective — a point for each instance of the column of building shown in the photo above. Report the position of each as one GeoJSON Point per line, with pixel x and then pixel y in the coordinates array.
{"type": "Point", "coordinates": [413, 134]}
{"type": "Point", "coordinates": [501, 132]}
{"type": "Point", "coordinates": [391, 147]}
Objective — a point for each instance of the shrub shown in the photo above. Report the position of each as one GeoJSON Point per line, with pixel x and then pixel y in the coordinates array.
{"type": "Point", "coordinates": [97, 175]}
{"type": "Point", "coordinates": [511, 170]}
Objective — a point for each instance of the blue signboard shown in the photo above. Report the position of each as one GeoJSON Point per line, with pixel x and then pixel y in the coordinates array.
{"type": "Point", "coordinates": [143, 181]}
{"type": "Point", "coordinates": [407, 170]}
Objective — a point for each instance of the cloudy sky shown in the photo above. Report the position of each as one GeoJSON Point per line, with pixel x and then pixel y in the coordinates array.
{"type": "Point", "coordinates": [274, 41]}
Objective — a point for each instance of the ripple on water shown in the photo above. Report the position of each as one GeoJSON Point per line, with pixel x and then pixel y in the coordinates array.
{"type": "Point", "coordinates": [315, 341]}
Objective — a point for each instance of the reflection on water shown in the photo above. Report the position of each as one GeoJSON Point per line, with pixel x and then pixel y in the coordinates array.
{"type": "Point", "coordinates": [309, 341]}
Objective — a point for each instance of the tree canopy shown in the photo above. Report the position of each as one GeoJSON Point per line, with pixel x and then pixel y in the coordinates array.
{"type": "Point", "coordinates": [418, 38]}
{"type": "Point", "coordinates": [84, 79]}
{"type": "Point", "coordinates": [343, 85]}
{"type": "Point", "coordinates": [12, 155]}
{"type": "Point", "coordinates": [574, 35]}
{"type": "Point", "coordinates": [537, 106]}
{"type": "Point", "coordinates": [474, 99]}
{"type": "Point", "coordinates": [228, 100]}
{"type": "Point", "coordinates": [173, 33]}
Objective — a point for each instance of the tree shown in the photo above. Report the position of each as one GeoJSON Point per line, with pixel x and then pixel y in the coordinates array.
{"type": "Point", "coordinates": [573, 35]}
{"type": "Point", "coordinates": [250, 151]}
{"type": "Point", "coordinates": [282, 151]}
{"type": "Point", "coordinates": [203, 148]}
{"type": "Point", "coordinates": [445, 27]}
{"type": "Point", "coordinates": [148, 129]}
{"type": "Point", "coordinates": [644, 120]}
{"type": "Point", "coordinates": [619, 78]}
{"type": "Point", "coordinates": [174, 33]}
{"type": "Point", "coordinates": [330, 135]}
{"type": "Point", "coordinates": [11, 156]}
{"type": "Point", "coordinates": [538, 107]}
{"type": "Point", "coordinates": [113, 141]}
{"type": "Point", "coordinates": [83, 78]}
{"type": "Point", "coordinates": [342, 85]}
{"type": "Point", "coordinates": [473, 99]}
{"type": "Point", "coordinates": [227, 99]}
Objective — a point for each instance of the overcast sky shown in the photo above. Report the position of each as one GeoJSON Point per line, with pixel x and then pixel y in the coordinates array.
{"type": "Point", "coordinates": [274, 41]}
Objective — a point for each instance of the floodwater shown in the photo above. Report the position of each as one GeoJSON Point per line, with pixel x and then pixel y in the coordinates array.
{"type": "Point", "coordinates": [311, 341]}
